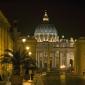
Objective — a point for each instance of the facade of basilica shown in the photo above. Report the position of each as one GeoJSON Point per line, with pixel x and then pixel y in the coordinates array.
{"type": "Point", "coordinates": [51, 51]}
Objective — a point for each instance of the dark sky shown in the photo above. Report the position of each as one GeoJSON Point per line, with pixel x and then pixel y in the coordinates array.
{"type": "Point", "coordinates": [68, 17]}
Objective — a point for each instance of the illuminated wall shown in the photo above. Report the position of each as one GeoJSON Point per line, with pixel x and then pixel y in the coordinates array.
{"type": "Point", "coordinates": [80, 56]}
{"type": "Point", "coordinates": [5, 39]}
{"type": "Point", "coordinates": [28, 44]}
{"type": "Point", "coordinates": [57, 53]}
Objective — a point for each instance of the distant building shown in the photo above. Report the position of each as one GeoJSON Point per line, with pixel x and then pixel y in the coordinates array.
{"type": "Point", "coordinates": [51, 51]}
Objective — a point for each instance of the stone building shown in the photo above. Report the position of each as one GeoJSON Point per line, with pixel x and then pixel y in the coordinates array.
{"type": "Point", "coordinates": [80, 56]}
{"type": "Point", "coordinates": [5, 41]}
{"type": "Point", "coordinates": [53, 52]}
{"type": "Point", "coordinates": [49, 50]}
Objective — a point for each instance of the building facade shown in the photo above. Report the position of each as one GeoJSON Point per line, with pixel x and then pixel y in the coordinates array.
{"type": "Point", "coordinates": [53, 52]}
{"type": "Point", "coordinates": [49, 50]}
{"type": "Point", "coordinates": [80, 56]}
{"type": "Point", "coordinates": [5, 41]}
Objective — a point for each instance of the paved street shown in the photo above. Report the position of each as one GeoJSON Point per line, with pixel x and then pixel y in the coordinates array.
{"type": "Point", "coordinates": [54, 80]}
{"type": "Point", "coordinates": [63, 80]}
{"type": "Point", "coordinates": [59, 80]}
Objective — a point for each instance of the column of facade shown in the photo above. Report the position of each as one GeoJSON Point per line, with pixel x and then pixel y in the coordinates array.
{"type": "Point", "coordinates": [48, 59]}
{"type": "Point", "coordinates": [38, 60]}
{"type": "Point", "coordinates": [68, 59]}
{"type": "Point", "coordinates": [55, 59]}
{"type": "Point", "coordinates": [42, 59]}
{"type": "Point", "coordinates": [60, 58]}
{"type": "Point", "coordinates": [65, 56]}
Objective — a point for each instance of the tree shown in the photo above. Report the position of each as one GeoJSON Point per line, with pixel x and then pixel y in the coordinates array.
{"type": "Point", "coordinates": [19, 60]}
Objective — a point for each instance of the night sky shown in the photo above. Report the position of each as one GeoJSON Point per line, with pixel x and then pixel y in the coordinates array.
{"type": "Point", "coordinates": [68, 17]}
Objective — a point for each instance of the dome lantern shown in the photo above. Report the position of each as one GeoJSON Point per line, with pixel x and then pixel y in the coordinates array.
{"type": "Point", "coordinates": [45, 18]}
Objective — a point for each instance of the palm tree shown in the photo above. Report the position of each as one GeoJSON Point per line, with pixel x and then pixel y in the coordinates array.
{"type": "Point", "coordinates": [18, 59]}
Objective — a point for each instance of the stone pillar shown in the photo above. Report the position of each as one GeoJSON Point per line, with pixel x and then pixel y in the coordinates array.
{"type": "Point", "coordinates": [48, 59]}
{"type": "Point", "coordinates": [55, 59]}
{"type": "Point", "coordinates": [38, 60]}
{"type": "Point", "coordinates": [43, 60]}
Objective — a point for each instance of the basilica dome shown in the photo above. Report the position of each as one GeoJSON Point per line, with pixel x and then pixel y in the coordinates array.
{"type": "Point", "coordinates": [45, 31]}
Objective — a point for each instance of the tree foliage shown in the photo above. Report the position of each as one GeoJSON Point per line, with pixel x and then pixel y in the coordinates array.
{"type": "Point", "coordinates": [18, 58]}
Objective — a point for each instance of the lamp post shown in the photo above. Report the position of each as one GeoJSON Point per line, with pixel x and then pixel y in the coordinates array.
{"type": "Point", "coordinates": [29, 53]}
{"type": "Point", "coordinates": [30, 71]}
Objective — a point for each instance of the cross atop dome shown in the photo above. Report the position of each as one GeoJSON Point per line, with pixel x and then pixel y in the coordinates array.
{"type": "Point", "coordinates": [45, 18]}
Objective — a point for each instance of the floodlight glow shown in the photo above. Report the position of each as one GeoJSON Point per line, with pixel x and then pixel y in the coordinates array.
{"type": "Point", "coordinates": [23, 40]}
{"type": "Point", "coordinates": [62, 66]}
{"type": "Point", "coordinates": [27, 47]}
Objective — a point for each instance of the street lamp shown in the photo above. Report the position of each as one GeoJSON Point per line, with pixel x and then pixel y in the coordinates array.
{"type": "Point", "coordinates": [30, 53]}
{"type": "Point", "coordinates": [24, 40]}
{"type": "Point", "coordinates": [30, 71]}
{"type": "Point", "coordinates": [27, 48]}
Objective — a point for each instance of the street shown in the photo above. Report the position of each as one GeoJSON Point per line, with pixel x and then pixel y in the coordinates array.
{"type": "Point", "coordinates": [40, 79]}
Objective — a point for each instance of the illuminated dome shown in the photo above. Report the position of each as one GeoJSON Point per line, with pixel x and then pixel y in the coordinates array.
{"type": "Point", "coordinates": [46, 31]}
